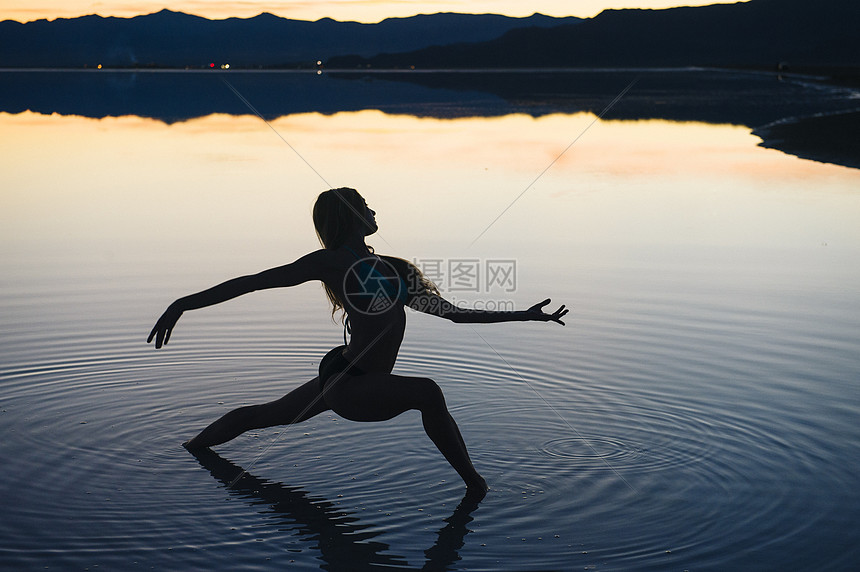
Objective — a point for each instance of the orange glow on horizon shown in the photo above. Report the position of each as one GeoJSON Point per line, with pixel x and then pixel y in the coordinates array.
{"type": "Point", "coordinates": [229, 176]}
{"type": "Point", "coordinates": [344, 10]}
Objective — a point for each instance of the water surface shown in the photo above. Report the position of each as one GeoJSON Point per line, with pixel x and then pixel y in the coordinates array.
{"type": "Point", "coordinates": [697, 412]}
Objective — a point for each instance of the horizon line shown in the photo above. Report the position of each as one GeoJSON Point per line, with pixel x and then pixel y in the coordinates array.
{"type": "Point", "coordinates": [369, 22]}
{"type": "Point", "coordinates": [292, 19]}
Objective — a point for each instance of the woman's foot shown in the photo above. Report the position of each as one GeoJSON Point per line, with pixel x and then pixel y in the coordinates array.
{"type": "Point", "coordinates": [477, 488]}
{"type": "Point", "coordinates": [191, 446]}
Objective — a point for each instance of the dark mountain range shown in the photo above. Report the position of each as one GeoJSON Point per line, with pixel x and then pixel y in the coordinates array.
{"type": "Point", "coordinates": [173, 39]}
{"type": "Point", "coordinates": [754, 33]}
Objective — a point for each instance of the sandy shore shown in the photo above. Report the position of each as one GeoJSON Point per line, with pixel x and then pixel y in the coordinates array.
{"type": "Point", "coordinates": [826, 138]}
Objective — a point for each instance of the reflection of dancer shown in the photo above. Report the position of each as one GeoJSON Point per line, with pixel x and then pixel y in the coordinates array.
{"type": "Point", "coordinates": [355, 380]}
{"type": "Point", "coordinates": [344, 542]}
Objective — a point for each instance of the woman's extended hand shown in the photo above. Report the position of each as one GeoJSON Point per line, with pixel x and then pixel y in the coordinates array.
{"type": "Point", "coordinates": [536, 313]}
{"type": "Point", "coordinates": [164, 325]}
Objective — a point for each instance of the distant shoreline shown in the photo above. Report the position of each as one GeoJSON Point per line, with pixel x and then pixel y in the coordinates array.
{"type": "Point", "coordinates": [845, 76]}
{"type": "Point", "coordinates": [819, 72]}
{"type": "Point", "coordinates": [828, 138]}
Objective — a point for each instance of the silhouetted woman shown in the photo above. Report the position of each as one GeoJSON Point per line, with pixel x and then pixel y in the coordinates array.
{"type": "Point", "coordinates": [355, 380]}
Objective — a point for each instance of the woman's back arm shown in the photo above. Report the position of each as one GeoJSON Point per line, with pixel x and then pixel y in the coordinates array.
{"type": "Point", "coordinates": [314, 266]}
{"type": "Point", "coordinates": [309, 267]}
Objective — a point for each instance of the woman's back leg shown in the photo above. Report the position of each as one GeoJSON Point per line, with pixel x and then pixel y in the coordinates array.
{"type": "Point", "coordinates": [298, 405]}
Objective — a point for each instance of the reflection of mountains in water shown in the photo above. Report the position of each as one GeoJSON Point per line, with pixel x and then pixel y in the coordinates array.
{"type": "Point", "coordinates": [712, 96]}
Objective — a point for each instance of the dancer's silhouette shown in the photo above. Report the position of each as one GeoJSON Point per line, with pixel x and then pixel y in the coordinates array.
{"type": "Point", "coordinates": [355, 380]}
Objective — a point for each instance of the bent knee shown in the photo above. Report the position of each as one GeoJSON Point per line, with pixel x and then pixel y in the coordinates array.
{"type": "Point", "coordinates": [430, 394]}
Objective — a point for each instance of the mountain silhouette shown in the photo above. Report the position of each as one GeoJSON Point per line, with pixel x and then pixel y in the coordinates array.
{"type": "Point", "coordinates": [758, 33]}
{"type": "Point", "coordinates": [176, 40]}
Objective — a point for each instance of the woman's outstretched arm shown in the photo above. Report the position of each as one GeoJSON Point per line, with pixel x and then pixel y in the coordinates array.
{"type": "Point", "coordinates": [309, 267]}
{"type": "Point", "coordinates": [437, 306]}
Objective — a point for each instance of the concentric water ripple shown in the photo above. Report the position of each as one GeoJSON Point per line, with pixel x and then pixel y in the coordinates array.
{"type": "Point", "coordinates": [656, 440]}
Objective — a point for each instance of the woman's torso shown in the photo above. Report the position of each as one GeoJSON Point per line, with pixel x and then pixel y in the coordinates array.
{"type": "Point", "coordinates": [373, 296]}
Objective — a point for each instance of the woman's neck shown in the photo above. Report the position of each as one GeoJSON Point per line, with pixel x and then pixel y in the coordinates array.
{"type": "Point", "coordinates": [357, 244]}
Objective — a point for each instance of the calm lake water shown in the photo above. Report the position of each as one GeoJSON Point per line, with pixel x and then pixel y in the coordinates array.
{"type": "Point", "coordinates": [698, 412]}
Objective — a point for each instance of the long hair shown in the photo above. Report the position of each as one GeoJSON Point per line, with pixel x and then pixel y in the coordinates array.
{"type": "Point", "coordinates": [338, 214]}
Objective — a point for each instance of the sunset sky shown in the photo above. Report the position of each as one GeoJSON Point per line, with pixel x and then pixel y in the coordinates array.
{"type": "Point", "coordinates": [358, 10]}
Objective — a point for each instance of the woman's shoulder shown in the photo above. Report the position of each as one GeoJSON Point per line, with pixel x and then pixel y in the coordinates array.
{"type": "Point", "coordinates": [327, 263]}
{"type": "Point", "coordinates": [411, 275]}
{"type": "Point", "coordinates": [320, 257]}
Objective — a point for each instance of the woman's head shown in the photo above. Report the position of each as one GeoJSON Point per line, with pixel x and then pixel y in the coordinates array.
{"type": "Point", "coordinates": [339, 214]}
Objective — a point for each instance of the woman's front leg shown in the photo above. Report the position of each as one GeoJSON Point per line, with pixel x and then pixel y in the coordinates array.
{"type": "Point", "coordinates": [379, 397]}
